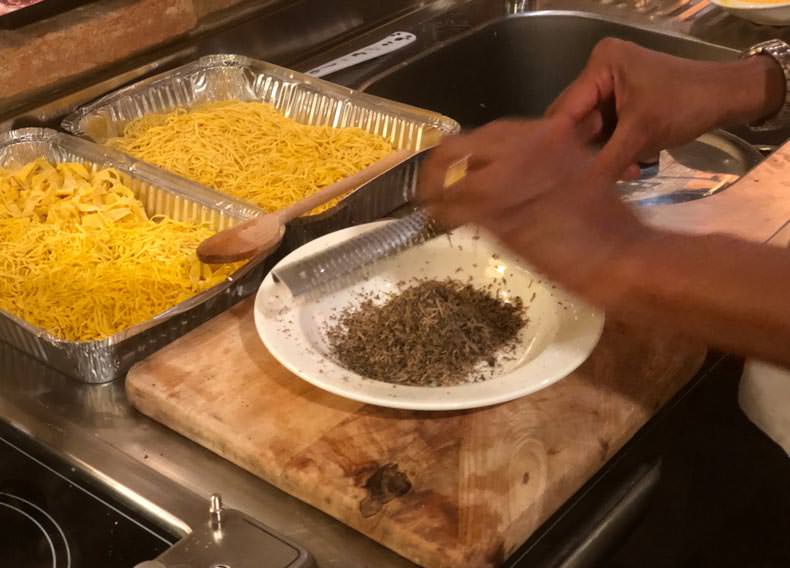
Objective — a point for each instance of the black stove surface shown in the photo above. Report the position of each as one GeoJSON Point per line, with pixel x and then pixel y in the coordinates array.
{"type": "Point", "coordinates": [48, 519]}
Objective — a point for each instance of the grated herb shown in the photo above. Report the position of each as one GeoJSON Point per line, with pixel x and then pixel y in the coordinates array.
{"type": "Point", "coordinates": [432, 333]}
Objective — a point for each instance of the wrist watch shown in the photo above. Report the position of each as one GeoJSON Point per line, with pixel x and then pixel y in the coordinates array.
{"type": "Point", "coordinates": [779, 51]}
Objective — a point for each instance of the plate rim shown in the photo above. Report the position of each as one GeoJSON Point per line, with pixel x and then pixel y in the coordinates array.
{"type": "Point", "coordinates": [738, 5]}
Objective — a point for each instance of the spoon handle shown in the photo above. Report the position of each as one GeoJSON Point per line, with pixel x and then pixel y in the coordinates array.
{"type": "Point", "coordinates": [344, 185]}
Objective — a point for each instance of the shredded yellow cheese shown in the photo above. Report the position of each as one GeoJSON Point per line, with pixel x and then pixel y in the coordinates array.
{"type": "Point", "coordinates": [251, 151]}
{"type": "Point", "coordinates": [80, 258]}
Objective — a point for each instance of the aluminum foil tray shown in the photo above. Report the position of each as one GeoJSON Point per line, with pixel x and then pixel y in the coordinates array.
{"type": "Point", "coordinates": [107, 359]}
{"type": "Point", "coordinates": [298, 96]}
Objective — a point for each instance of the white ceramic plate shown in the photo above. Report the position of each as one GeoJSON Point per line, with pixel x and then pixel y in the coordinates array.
{"type": "Point", "coordinates": [560, 335]}
{"type": "Point", "coordinates": [769, 14]}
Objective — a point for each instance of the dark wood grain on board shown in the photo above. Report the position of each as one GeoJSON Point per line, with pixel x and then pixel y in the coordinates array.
{"type": "Point", "coordinates": [442, 489]}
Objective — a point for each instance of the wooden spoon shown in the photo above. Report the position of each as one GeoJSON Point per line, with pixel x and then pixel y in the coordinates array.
{"type": "Point", "coordinates": [264, 233]}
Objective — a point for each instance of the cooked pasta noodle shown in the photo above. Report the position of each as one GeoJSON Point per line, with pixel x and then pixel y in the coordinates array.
{"type": "Point", "coordinates": [80, 258]}
{"type": "Point", "coordinates": [251, 151]}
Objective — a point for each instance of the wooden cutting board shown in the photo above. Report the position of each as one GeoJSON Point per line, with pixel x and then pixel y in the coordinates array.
{"type": "Point", "coordinates": [442, 489]}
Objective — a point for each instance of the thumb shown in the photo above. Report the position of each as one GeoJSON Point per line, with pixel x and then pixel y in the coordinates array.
{"type": "Point", "coordinates": [584, 95]}
{"type": "Point", "coordinates": [590, 127]}
{"type": "Point", "coordinates": [621, 151]}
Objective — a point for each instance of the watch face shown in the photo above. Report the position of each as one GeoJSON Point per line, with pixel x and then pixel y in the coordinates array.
{"type": "Point", "coordinates": [8, 6]}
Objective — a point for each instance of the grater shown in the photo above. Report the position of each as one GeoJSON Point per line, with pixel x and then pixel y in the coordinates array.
{"type": "Point", "coordinates": [331, 268]}
{"type": "Point", "coordinates": [337, 265]}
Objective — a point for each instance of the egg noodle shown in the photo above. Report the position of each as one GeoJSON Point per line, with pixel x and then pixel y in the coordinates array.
{"type": "Point", "coordinates": [251, 151]}
{"type": "Point", "coordinates": [80, 258]}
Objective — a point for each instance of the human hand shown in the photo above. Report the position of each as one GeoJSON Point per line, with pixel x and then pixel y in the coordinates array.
{"type": "Point", "coordinates": [661, 101]}
{"type": "Point", "coordinates": [535, 185]}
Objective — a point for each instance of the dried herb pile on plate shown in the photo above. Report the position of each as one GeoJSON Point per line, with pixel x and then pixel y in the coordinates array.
{"type": "Point", "coordinates": [431, 333]}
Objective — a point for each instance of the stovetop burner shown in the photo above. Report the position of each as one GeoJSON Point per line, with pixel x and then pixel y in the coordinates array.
{"type": "Point", "coordinates": [50, 520]}
{"type": "Point", "coordinates": [36, 538]}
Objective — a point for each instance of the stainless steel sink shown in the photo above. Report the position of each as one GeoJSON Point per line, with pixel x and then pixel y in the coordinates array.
{"type": "Point", "coordinates": [517, 65]}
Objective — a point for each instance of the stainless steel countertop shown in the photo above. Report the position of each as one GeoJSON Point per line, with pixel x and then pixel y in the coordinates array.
{"type": "Point", "coordinates": [170, 478]}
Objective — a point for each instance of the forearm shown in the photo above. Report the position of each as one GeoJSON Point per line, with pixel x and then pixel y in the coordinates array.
{"type": "Point", "coordinates": [729, 293]}
{"type": "Point", "coordinates": [747, 90]}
